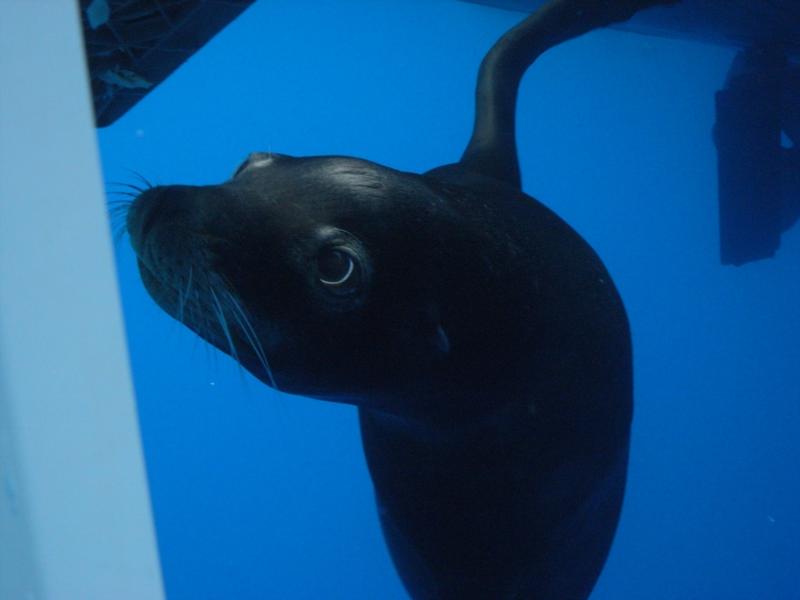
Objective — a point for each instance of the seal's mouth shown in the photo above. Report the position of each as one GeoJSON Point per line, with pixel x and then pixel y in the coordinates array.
{"type": "Point", "coordinates": [205, 304]}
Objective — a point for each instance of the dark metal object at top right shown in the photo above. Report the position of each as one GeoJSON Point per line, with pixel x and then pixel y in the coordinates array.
{"type": "Point", "coordinates": [738, 23]}
{"type": "Point", "coordinates": [757, 135]}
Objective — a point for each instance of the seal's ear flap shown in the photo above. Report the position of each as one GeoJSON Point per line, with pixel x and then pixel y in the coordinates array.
{"type": "Point", "coordinates": [440, 341]}
{"type": "Point", "coordinates": [435, 337]}
{"type": "Point", "coordinates": [434, 342]}
{"type": "Point", "coordinates": [422, 337]}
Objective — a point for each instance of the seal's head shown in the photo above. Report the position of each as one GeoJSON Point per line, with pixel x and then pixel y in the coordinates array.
{"type": "Point", "coordinates": [323, 276]}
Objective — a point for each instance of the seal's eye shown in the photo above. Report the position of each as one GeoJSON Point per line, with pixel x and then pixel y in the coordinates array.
{"type": "Point", "coordinates": [335, 267]}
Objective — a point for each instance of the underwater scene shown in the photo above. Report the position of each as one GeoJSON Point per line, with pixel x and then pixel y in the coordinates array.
{"type": "Point", "coordinates": [260, 493]}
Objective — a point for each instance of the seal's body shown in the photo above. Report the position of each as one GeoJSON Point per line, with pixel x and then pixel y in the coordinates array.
{"type": "Point", "coordinates": [480, 336]}
{"type": "Point", "coordinates": [513, 488]}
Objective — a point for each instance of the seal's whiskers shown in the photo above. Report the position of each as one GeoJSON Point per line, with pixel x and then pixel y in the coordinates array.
{"type": "Point", "coordinates": [183, 296]}
{"type": "Point", "coordinates": [118, 213]}
{"type": "Point", "coordinates": [224, 324]}
{"type": "Point", "coordinates": [244, 323]}
{"type": "Point", "coordinates": [141, 178]}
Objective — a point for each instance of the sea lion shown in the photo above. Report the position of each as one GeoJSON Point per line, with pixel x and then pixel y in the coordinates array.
{"type": "Point", "coordinates": [481, 338]}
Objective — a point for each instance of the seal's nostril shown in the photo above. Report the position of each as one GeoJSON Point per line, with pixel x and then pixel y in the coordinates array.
{"type": "Point", "coordinates": [150, 216]}
{"type": "Point", "coordinates": [143, 214]}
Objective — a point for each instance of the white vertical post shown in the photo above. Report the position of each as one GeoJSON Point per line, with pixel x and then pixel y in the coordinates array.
{"type": "Point", "coordinates": [75, 519]}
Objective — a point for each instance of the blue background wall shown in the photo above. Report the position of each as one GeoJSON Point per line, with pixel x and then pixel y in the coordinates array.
{"type": "Point", "coordinates": [261, 495]}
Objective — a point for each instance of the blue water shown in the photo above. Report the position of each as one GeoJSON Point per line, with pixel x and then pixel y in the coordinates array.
{"type": "Point", "coordinates": [260, 495]}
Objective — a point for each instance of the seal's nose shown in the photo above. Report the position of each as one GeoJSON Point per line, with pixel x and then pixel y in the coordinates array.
{"type": "Point", "coordinates": [156, 205]}
{"type": "Point", "coordinates": [142, 214]}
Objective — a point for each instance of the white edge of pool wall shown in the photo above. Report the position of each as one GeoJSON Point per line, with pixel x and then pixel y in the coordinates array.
{"type": "Point", "coordinates": [75, 516]}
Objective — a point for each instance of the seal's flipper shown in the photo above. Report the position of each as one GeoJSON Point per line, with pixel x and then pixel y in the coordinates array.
{"type": "Point", "coordinates": [492, 150]}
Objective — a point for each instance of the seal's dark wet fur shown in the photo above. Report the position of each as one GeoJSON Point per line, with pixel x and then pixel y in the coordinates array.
{"type": "Point", "coordinates": [480, 336]}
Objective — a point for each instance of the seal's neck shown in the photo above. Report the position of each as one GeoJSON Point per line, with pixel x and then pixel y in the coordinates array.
{"type": "Point", "coordinates": [455, 429]}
